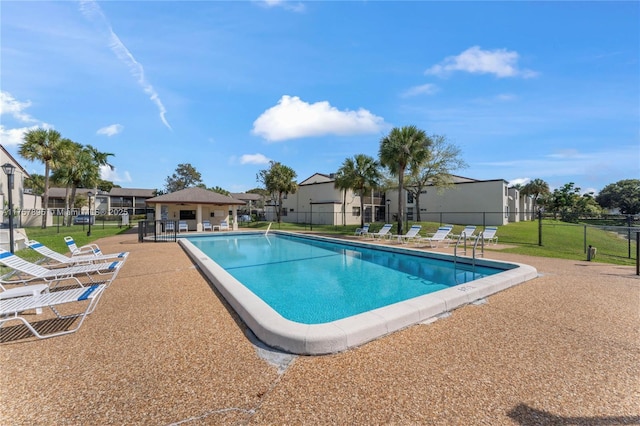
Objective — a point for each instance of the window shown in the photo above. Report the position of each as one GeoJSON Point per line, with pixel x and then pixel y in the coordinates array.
{"type": "Point", "coordinates": [187, 214]}
{"type": "Point", "coordinates": [409, 213]}
{"type": "Point", "coordinates": [355, 211]}
{"type": "Point", "coordinates": [409, 197]}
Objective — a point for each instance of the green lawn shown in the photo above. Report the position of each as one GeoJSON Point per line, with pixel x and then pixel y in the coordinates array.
{"type": "Point", "coordinates": [559, 239]}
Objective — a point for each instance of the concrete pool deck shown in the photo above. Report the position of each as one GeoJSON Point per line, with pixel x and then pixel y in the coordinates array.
{"type": "Point", "coordinates": [164, 348]}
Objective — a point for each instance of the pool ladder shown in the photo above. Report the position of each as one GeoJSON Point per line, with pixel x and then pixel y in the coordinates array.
{"type": "Point", "coordinates": [463, 237]}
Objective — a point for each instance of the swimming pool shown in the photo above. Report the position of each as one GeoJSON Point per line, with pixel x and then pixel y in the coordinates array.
{"type": "Point", "coordinates": [317, 295]}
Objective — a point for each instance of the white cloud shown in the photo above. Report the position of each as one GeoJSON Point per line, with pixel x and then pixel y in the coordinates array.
{"type": "Point", "coordinates": [293, 118]}
{"type": "Point", "coordinates": [92, 11]}
{"type": "Point", "coordinates": [425, 89]}
{"type": "Point", "coordinates": [12, 106]}
{"type": "Point", "coordinates": [500, 62]}
{"type": "Point", "coordinates": [106, 173]}
{"type": "Point", "coordinates": [114, 129]}
{"type": "Point", "coordinates": [254, 159]}
{"type": "Point", "coordinates": [287, 5]}
{"type": "Point", "coordinates": [11, 137]}
{"type": "Point", "coordinates": [519, 181]}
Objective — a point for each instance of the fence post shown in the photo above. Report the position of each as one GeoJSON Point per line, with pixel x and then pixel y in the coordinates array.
{"type": "Point", "coordinates": [540, 228]}
{"type": "Point", "coordinates": [638, 253]}
{"type": "Point", "coordinates": [585, 238]}
{"type": "Point", "coordinates": [629, 236]}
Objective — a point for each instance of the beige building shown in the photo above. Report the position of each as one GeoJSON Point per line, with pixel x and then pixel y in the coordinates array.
{"type": "Point", "coordinates": [318, 201]}
{"type": "Point", "coordinates": [467, 202]}
{"type": "Point", "coordinates": [27, 208]}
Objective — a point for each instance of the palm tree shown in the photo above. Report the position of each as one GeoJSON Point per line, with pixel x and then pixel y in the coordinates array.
{"type": "Point", "coordinates": [42, 145]}
{"type": "Point", "coordinates": [359, 173]}
{"type": "Point", "coordinates": [79, 169]}
{"type": "Point", "coordinates": [403, 148]}
{"type": "Point", "coordinates": [278, 180]}
{"type": "Point", "coordinates": [538, 189]}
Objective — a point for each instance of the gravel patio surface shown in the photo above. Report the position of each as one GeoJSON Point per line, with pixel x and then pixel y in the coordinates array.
{"type": "Point", "coordinates": [163, 348]}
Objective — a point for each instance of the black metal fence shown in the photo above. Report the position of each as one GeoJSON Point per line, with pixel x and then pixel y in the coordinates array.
{"type": "Point", "coordinates": [157, 230]}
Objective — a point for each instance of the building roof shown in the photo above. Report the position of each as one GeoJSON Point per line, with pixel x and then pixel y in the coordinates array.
{"type": "Point", "coordinates": [195, 196]}
{"type": "Point", "coordinates": [132, 192]}
{"type": "Point", "coordinates": [246, 196]}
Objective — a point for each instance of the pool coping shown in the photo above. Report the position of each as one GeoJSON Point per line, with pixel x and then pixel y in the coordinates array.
{"type": "Point", "coordinates": [341, 335]}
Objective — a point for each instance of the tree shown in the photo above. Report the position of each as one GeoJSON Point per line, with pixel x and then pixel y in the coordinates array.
{"type": "Point", "coordinates": [360, 173]}
{"type": "Point", "coordinates": [564, 200]}
{"type": "Point", "coordinates": [219, 190]}
{"type": "Point", "coordinates": [623, 195]}
{"type": "Point", "coordinates": [42, 145]}
{"type": "Point", "coordinates": [79, 167]}
{"type": "Point", "coordinates": [185, 176]}
{"type": "Point", "coordinates": [435, 170]}
{"type": "Point", "coordinates": [538, 190]}
{"type": "Point", "coordinates": [403, 148]}
{"type": "Point", "coordinates": [278, 179]}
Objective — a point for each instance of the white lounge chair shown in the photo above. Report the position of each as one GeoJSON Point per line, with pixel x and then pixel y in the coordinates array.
{"type": "Point", "coordinates": [183, 226]}
{"type": "Point", "coordinates": [489, 234]}
{"type": "Point", "coordinates": [467, 232]}
{"type": "Point", "coordinates": [206, 225]}
{"type": "Point", "coordinates": [74, 260]}
{"type": "Point", "coordinates": [382, 233]}
{"type": "Point", "coordinates": [362, 231]}
{"type": "Point", "coordinates": [57, 275]}
{"type": "Point", "coordinates": [169, 226]}
{"type": "Point", "coordinates": [224, 225]}
{"type": "Point", "coordinates": [23, 290]}
{"type": "Point", "coordinates": [441, 235]}
{"type": "Point", "coordinates": [88, 249]}
{"type": "Point", "coordinates": [12, 309]}
{"type": "Point", "coordinates": [412, 234]}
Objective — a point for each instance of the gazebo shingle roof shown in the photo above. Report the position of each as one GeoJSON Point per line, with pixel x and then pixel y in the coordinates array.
{"type": "Point", "coordinates": [195, 196]}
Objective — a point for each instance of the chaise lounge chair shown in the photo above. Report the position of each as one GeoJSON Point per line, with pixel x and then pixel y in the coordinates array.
{"type": "Point", "coordinates": [12, 309]}
{"type": "Point", "coordinates": [382, 233]}
{"type": "Point", "coordinates": [489, 234]}
{"type": "Point", "coordinates": [412, 234]}
{"type": "Point", "coordinates": [224, 225]}
{"type": "Point", "coordinates": [441, 235]}
{"type": "Point", "coordinates": [467, 233]}
{"type": "Point", "coordinates": [57, 275]}
{"type": "Point", "coordinates": [362, 231]}
{"type": "Point", "coordinates": [206, 225]}
{"type": "Point", "coordinates": [183, 226]}
{"type": "Point", "coordinates": [88, 249]}
{"type": "Point", "coordinates": [74, 260]}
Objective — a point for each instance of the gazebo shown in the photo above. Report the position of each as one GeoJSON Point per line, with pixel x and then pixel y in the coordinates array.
{"type": "Point", "coordinates": [194, 205]}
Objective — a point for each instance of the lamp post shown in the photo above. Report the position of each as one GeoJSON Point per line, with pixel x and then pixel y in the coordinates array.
{"type": "Point", "coordinates": [8, 170]}
{"type": "Point", "coordinates": [388, 208]}
{"type": "Point", "coordinates": [311, 213]}
{"type": "Point", "coordinates": [89, 194]}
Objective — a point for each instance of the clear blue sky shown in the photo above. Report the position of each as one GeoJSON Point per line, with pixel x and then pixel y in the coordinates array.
{"type": "Point", "coordinates": [526, 90]}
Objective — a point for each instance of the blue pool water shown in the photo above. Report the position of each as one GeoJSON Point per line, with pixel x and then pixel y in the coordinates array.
{"type": "Point", "coordinates": [313, 282]}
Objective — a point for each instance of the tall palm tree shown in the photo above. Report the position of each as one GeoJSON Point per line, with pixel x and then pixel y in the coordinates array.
{"type": "Point", "coordinates": [42, 145]}
{"type": "Point", "coordinates": [359, 173]}
{"type": "Point", "coordinates": [403, 148]}
{"type": "Point", "coordinates": [278, 180]}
